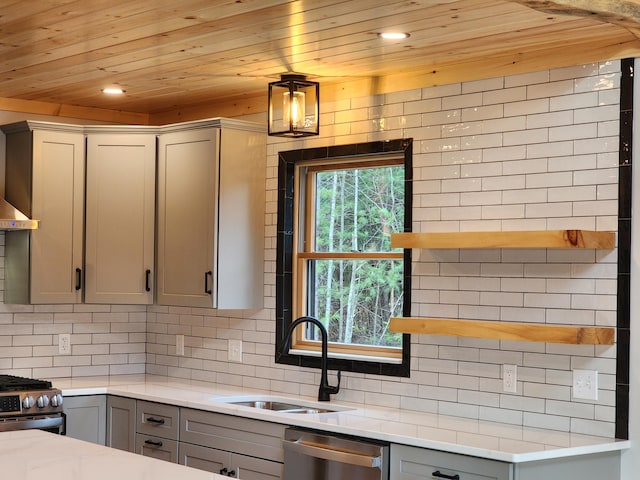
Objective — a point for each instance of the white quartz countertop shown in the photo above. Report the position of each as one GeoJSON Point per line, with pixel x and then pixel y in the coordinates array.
{"type": "Point", "coordinates": [37, 455]}
{"type": "Point", "coordinates": [497, 441]}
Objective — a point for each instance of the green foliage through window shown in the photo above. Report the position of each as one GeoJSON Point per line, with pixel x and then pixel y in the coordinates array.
{"type": "Point", "coordinates": [356, 209]}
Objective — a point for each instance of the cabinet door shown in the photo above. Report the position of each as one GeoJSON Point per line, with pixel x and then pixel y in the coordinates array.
{"type": "Point", "coordinates": [250, 468]}
{"type": "Point", "coordinates": [58, 202]}
{"type": "Point", "coordinates": [203, 458]}
{"type": "Point", "coordinates": [120, 218]}
{"type": "Point", "coordinates": [121, 422]}
{"type": "Point", "coordinates": [187, 205]}
{"type": "Point", "coordinates": [230, 464]}
{"type": "Point", "coordinates": [86, 418]}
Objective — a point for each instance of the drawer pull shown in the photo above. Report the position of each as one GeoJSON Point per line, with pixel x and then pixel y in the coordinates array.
{"type": "Point", "coordinates": [157, 421]}
{"type": "Point", "coordinates": [153, 442]}
{"type": "Point", "coordinates": [439, 474]}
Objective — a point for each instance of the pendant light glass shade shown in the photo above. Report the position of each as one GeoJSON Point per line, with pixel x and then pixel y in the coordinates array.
{"type": "Point", "coordinates": [293, 107]}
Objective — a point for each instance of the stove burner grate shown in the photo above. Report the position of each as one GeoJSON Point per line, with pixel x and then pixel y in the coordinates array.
{"type": "Point", "coordinates": [12, 383]}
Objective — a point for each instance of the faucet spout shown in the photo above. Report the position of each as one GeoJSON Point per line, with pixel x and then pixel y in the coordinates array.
{"type": "Point", "coordinates": [324, 390]}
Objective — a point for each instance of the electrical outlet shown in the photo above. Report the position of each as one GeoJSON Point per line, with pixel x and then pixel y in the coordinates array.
{"type": "Point", "coordinates": [64, 344]}
{"type": "Point", "coordinates": [509, 378]}
{"type": "Point", "coordinates": [585, 384]}
{"type": "Point", "coordinates": [179, 344]}
{"type": "Point", "coordinates": [235, 350]}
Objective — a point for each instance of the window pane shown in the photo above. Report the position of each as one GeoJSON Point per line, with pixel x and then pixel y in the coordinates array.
{"type": "Point", "coordinates": [357, 209]}
{"type": "Point", "coordinates": [355, 299]}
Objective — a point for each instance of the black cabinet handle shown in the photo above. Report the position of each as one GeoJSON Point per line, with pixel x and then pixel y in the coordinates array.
{"type": "Point", "coordinates": [78, 278]}
{"type": "Point", "coordinates": [223, 471]}
{"type": "Point", "coordinates": [232, 473]}
{"type": "Point", "coordinates": [153, 442]}
{"type": "Point", "coordinates": [157, 421]}
{"type": "Point", "coordinates": [147, 284]}
{"type": "Point", "coordinates": [207, 289]}
{"type": "Point", "coordinates": [439, 474]}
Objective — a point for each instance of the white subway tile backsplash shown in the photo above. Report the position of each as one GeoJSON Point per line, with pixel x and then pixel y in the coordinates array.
{"type": "Point", "coordinates": [524, 152]}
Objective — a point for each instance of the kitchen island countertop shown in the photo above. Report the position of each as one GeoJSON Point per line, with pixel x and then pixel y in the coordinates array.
{"type": "Point", "coordinates": [36, 455]}
{"type": "Point", "coordinates": [485, 439]}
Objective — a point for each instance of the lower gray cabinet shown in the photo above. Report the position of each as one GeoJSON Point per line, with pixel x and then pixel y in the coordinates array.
{"type": "Point", "coordinates": [86, 417]}
{"type": "Point", "coordinates": [412, 463]}
{"type": "Point", "coordinates": [234, 446]}
{"type": "Point", "coordinates": [121, 422]}
{"type": "Point", "coordinates": [226, 463]}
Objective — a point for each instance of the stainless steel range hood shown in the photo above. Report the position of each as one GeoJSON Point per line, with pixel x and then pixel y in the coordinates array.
{"type": "Point", "coordinates": [13, 219]}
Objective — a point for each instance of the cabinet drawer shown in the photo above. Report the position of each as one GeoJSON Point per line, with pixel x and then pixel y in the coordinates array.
{"type": "Point", "coordinates": [157, 419]}
{"type": "Point", "coordinates": [412, 463]}
{"type": "Point", "coordinates": [234, 434]}
{"type": "Point", "coordinates": [157, 447]}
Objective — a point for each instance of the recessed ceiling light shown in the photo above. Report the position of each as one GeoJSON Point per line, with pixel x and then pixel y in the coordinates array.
{"type": "Point", "coordinates": [394, 35]}
{"type": "Point", "coordinates": [113, 90]}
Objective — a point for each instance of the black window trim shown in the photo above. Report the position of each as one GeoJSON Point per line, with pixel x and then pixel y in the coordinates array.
{"type": "Point", "coordinates": [284, 254]}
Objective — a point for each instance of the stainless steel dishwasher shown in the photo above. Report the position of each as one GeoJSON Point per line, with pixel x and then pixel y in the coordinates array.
{"type": "Point", "coordinates": [312, 455]}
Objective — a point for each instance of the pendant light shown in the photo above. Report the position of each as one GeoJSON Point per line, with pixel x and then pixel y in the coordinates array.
{"type": "Point", "coordinates": [293, 107]}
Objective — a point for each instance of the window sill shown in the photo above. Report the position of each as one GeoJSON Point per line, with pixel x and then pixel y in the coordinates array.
{"type": "Point", "coordinates": [346, 356]}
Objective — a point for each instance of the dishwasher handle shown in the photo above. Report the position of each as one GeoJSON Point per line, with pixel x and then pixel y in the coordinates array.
{"type": "Point", "coordinates": [332, 454]}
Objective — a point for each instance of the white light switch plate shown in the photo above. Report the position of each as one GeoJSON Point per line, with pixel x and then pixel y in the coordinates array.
{"type": "Point", "coordinates": [235, 350]}
{"type": "Point", "coordinates": [509, 378]}
{"type": "Point", "coordinates": [585, 384]}
{"type": "Point", "coordinates": [64, 344]}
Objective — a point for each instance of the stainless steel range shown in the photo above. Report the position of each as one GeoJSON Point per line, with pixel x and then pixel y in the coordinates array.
{"type": "Point", "coordinates": [27, 403]}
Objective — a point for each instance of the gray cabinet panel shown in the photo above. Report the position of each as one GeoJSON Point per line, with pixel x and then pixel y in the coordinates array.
{"type": "Point", "coordinates": [86, 417]}
{"type": "Point", "coordinates": [202, 458]}
{"type": "Point", "coordinates": [121, 421]}
{"type": "Point", "coordinates": [120, 220]}
{"type": "Point", "coordinates": [211, 200]}
{"type": "Point", "coordinates": [45, 180]}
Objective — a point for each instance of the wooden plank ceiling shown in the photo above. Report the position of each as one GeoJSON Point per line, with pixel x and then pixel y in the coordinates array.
{"type": "Point", "coordinates": [184, 59]}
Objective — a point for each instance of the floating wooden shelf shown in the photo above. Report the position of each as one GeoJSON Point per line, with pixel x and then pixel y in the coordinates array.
{"type": "Point", "coordinates": [526, 332]}
{"type": "Point", "coordinates": [517, 239]}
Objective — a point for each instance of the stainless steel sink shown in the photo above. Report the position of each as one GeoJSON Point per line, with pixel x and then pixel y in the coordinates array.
{"type": "Point", "coordinates": [281, 406]}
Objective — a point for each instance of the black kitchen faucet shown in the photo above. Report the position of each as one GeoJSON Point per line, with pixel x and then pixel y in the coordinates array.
{"type": "Point", "coordinates": [325, 390]}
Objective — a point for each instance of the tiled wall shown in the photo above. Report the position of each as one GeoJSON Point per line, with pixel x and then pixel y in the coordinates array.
{"type": "Point", "coordinates": [535, 151]}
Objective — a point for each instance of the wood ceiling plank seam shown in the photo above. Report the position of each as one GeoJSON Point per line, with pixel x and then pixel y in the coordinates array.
{"type": "Point", "coordinates": [151, 44]}
{"type": "Point", "coordinates": [412, 63]}
{"type": "Point", "coordinates": [561, 41]}
{"type": "Point", "coordinates": [331, 53]}
{"type": "Point", "coordinates": [82, 46]}
{"type": "Point", "coordinates": [137, 30]}
{"type": "Point", "coordinates": [154, 53]}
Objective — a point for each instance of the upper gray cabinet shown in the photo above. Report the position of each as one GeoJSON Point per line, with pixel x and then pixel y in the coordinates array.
{"type": "Point", "coordinates": [101, 232]}
{"type": "Point", "coordinates": [45, 180]}
{"type": "Point", "coordinates": [211, 197]}
{"type": "Point", "coordinates": [120, 216]}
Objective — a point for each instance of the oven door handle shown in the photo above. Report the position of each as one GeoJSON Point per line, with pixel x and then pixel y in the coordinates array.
{"type": "Point", "coordinates": [33, 424]}
{"type": "Point", "coordinates": [332, 454]}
